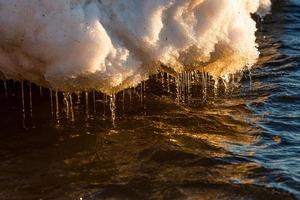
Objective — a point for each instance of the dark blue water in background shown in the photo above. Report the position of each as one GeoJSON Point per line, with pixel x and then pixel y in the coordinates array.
{"type": "Point", "coordinates": [245, 145]}
{"type": "Point", "coordinates": [278, 80]}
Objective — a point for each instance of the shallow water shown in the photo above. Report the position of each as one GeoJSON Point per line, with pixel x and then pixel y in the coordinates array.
{"type": "Point", "coordinates": [242, 145]}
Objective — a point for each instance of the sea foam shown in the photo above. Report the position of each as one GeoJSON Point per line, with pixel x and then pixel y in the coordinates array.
{"type": "Point", "coordinates": [109, 45]}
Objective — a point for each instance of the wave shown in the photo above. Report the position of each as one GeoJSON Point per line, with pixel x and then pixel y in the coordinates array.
{"type": "Point", "coordinates": [109, 45]}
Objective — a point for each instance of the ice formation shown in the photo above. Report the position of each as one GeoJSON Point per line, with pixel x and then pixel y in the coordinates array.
{"type": "Point", "coordinates": [109, 45]}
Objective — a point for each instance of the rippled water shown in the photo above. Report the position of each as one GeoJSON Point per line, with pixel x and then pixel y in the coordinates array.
{"type": "Point", "coordinates": [245, 145]}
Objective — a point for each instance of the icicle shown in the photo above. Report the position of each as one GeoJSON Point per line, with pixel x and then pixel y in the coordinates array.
{"type": "Point", "coordinates": [204, 85]}
{"type": "Point", "coordinates": [23, 105]}
{"type": "Point", "coordinates": [235, 80]}
{"type": "Point", "coordinates": [71, 108]}
{"type": "Point", "coordinates": [66, 103]}
{"type": "Point", "coordinates": [87, 104]}
{"type": "Point", "coordinates": [30, 98]}
{"type": "Point", "coordinates": [193, 78]}
{"type": "Point", "coordinates": [23, 96]}
{"type": "Point", "coordinates": [183, 91]}
{"type": "Point", "coordinates": [188, 87]}
{"type": "Point", "coordinates": [225, 80]}
{"type": "Point", "coordinates": [142, 94]}
{"type": "Point", "coordinates": [5, 88]}
{"type": "Point", "coordinates": [185, 86]}
{"type": "Point", "coordinates": [178, 92]}
{"type": "Point", "coordinates": [162, 76]}
{"type": "Point", "coordinates": [113, 107]}
{"type": "Point", "coordinates": [51, 101]}
{"type": "Point", "coordinates": [57, 106]}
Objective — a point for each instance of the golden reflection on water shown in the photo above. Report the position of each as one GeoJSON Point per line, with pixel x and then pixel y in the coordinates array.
{"type": "Point", "coordinates": [169, 151]}
{"type": "Point", "coordinates": [178, 147]}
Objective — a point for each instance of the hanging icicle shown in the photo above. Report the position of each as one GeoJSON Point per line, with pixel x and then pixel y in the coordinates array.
{"type": "Point", "coordinates": [66, 104]}
{"type": "Point", "coordinates": [113, 107]}
{"type": "Point", "coordinates": [71, 108]}
{"type": "Point", "coordinates": [87, 104]}
{"type": "Point", "coordinates": [23, 96]}
{"type": "Point", "coordinates": [23, 105]}
{"type": "Point", "coordinates": [57, 107]}
{"type": "Point", "coordinates": [30, 98]}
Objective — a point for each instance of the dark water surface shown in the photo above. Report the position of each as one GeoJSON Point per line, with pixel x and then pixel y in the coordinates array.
{"type": "Point", "coordinates": [245, 145]}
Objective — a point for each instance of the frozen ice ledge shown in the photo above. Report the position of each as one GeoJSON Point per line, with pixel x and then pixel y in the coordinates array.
{"type": "Point", "coordinates": [110, 45]}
